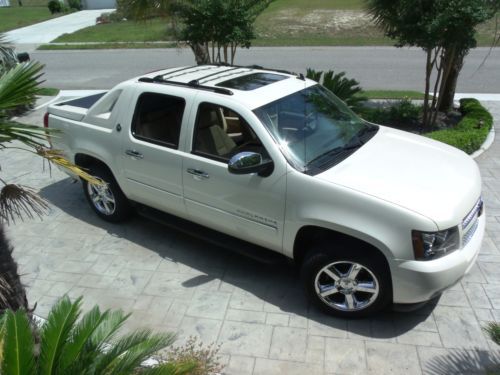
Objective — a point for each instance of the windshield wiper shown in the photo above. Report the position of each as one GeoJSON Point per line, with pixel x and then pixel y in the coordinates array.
{"type": "Point", "coordinates": [353, 144]}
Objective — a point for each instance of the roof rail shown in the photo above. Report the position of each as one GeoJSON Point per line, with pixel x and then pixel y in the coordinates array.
{"type": "Point", "coordinates": [192, 84]}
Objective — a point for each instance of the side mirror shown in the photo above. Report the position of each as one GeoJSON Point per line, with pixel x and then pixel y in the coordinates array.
{"type": "Point", "coordinates": [250, 162]}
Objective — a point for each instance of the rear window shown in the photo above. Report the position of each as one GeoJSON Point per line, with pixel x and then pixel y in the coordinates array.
{"type": "Point", "coordinates": [252, 81]}
{"type": "Point", "coordinates": [158, 119]}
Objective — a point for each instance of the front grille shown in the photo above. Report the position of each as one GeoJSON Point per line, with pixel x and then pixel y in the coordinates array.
{"type": "Point", "coordinates": [470, 222]}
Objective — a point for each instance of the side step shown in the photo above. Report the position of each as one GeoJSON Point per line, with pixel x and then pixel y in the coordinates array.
{"type": "Point", "coordinates": [258, 253]}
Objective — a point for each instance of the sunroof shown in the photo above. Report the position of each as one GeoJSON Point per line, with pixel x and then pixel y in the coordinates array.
{"type": "Point", "coordinates": [252, 81]}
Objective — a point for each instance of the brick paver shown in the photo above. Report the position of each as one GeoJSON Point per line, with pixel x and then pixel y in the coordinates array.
{"type": "Point", "coordinates": [172, 282]}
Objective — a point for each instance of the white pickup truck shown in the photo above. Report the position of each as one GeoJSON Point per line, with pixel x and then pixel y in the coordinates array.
{"type": "Point", "coordinates": [261, 159]}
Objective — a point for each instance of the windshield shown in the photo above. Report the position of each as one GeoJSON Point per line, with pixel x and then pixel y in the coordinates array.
{"type": "Point", "coordinates": [315, 129]}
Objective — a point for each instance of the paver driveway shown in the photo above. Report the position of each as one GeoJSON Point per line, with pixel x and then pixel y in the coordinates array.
{"type": "Point", "coordinates": [171, 282]}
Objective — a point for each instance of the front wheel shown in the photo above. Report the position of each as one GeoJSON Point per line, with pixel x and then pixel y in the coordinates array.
{"type": "Point", "coordinates": [107, 200]}
{"type": "Point", "coordinates": [348, 284]}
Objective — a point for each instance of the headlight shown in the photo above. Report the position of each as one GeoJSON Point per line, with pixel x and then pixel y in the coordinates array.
{"type": "Point", "coordinates": [433, 245]}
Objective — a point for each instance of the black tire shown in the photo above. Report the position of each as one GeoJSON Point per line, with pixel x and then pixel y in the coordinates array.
{"type": "Point", "coordinates": [120, 210]}
{"type": "Point", "coordinates": [372, 272]}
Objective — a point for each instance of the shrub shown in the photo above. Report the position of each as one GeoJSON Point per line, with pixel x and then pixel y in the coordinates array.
{"type": "Point", "coordinates": [75, 4]}
{"type": "Point", "coordinates": [402, 115]}
{"type": "Point", "coordinates": [493, 330]}
{"type": "Point", "coordinates": [54, 6]}
{"type": "Point", "coordinates": [344, 88]}
{"type": "Point", "coordinates": [470, 133]}
{"type": "Point", "coordinates": [204, 359]}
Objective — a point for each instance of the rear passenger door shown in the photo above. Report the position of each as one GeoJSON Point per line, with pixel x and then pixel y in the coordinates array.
{"type": "Point", "coordinates": [151, 160]}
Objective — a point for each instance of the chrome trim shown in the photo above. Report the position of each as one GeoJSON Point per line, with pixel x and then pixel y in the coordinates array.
{"type": "Point", "coordinates": [470, 233]}
{"type": "Point", "coordinates": [474, 213]}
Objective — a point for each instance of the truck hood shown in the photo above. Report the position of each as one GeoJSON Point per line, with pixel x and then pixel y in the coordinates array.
{"type": "Point", "coordinates": [414, 172]}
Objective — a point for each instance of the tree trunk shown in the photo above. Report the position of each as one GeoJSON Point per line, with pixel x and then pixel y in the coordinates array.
{"type": "Point", "coordinates": [428, 71]}
{"type": "Point", "coordinates": [450, 84]}
{"type": "Point", "coordinates": [201, 54]}
{"type": "Point", "coordinates": [12, 292]}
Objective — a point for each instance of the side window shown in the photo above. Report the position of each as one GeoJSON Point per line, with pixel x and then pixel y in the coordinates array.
{"type": "Point", "coordinates": [221, 133]}
{"type": "Point", "coordinates": [158, 119]}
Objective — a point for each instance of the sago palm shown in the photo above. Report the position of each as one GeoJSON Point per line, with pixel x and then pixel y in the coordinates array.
{"type": "Point", "coordinates": [86, 346]}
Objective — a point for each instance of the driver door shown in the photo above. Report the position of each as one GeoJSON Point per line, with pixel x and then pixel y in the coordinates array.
{"type": "Point", "coordinates": [249, 206]}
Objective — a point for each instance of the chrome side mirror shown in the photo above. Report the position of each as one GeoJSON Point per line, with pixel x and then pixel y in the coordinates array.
{"type": "Point", "coordinates": [250, 162]}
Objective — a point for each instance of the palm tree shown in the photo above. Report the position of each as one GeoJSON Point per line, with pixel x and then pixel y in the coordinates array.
{"type": "Point", "coordinates": [18, 88]}
{"type": "Point", "coordinates": [69, 345]}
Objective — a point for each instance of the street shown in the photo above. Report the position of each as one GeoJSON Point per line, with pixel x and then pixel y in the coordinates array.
{"type": "Point", "coordinates": [374, 67]}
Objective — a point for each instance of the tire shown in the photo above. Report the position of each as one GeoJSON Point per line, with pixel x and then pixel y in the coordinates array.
{"type": "Point", "coordinates": [333, 278]}
{"type": "Point", "coordinates": [109, 204]}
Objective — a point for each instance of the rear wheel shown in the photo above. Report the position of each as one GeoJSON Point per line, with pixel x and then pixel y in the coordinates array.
{"type": "Point", "coordinates": [107, 200]}
{"type": "Point", "coordinates": [348, 284]}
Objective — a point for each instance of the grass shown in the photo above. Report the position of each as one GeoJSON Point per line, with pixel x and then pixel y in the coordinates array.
{"type": "Point", "coordinates": [48, 91]}
{"type": "Point", "coordinates": [127, 31]}
{"type": "Point", "coordinates": [283, 23]}
{"type": "Point", "coordinates": [16, 17]}
{"type": "Point", "coordinates": [110, 45]}
{"type": "Point", "coordinates": [393, 94]}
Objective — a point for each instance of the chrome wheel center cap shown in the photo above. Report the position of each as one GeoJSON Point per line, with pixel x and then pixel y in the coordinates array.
{"type": "Point", "coordinates": [346, 286]}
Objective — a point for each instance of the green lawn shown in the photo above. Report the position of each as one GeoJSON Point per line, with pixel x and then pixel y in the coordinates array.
{"type": "Point", "coordinates": [16, 17]}
{"type": "Point", "coordinates": [393, 94]}
{"type": "Point", "coordinates": [155, 30]}
{"type": "Point", "coordinates": [283, 23]}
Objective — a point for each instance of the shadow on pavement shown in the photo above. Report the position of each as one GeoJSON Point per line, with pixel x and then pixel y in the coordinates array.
{"type": "Point", "coordinates": [465, 362]}
{"type": "Point", "coordinates": [278, 285]}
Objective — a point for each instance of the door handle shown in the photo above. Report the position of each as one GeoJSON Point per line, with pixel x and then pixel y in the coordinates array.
{"type": "Point", "coordinates": [197, 173]}
{"type": "Point", "coordinates": [134, 154]}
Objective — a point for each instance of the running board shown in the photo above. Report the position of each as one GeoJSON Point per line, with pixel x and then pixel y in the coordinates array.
{"type": "Point", "coordinates": [258, 253]}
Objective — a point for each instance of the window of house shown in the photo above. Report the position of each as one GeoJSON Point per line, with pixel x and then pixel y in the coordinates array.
{"type": "Point", "coordinates": [158, 119]}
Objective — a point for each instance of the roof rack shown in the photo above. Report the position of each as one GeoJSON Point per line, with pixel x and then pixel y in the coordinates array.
{"type": "Point", "coordinates": [192, 84]}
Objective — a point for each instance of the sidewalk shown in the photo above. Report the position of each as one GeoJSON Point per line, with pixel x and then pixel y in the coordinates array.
{"type": "Point", "coordinates": [45, 32]}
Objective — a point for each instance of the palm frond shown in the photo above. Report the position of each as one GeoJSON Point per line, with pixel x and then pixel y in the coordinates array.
{"type": "Point", "coordinates": [8, 58]}
{"type": "Point", "coordinates": [56, 157]}
{"type": "Point", "coordinates": [56, 332]}
{"type": "Point", "coordinates": [107, 330]}
{"type": "Point", "coordinates": [30, 135]}
{"type": "Point", "coordinates": [18, 345]}
{"type": "Point", "coordinates": [17, 201]}
{"type": "Point", "coordinates": [4, 292]}
{"type": "Point", "coordinates": [19, 86]}
{"type": "Point", "coordinates": [131, 350]}
{"type": "Point", "coordinates": [79, 347]}
{"type": "Point", "coordinates": [493, 330]}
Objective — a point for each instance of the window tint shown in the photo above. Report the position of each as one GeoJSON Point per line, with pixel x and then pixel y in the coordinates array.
{"type": "Point", "coordinates": [252, 81]}
{"type": "Point", "coordinates": [221, 133]}
{"type": "Point", "coordinates": [158, 119]}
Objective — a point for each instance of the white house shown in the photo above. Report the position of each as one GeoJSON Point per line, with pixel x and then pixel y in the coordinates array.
{"type": "Point", "coordinates": [4, 3]}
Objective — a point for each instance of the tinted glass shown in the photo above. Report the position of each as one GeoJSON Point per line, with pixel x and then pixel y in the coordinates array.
{"type": "Point", "coordinates": [158, 119]}
{"type": "Point", "coordinates": [252, 81]}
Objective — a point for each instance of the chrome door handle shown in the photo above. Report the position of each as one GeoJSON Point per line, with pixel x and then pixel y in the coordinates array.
{"type": "Point", "coordinates": [197, 173]}
{"type": "Point", "coordinates": [134, 154]}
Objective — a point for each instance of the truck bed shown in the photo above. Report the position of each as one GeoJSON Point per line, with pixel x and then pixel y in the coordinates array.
{"type": "Point", "coordinates": [75, 109]}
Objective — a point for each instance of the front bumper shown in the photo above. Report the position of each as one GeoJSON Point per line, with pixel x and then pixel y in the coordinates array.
{"type": "Point", "coordinates": [419, 281]}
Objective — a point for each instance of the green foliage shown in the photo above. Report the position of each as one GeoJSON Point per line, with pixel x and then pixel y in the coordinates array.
{"type": "Point", "coordinates": [54, 6]}
{"type": "Point", "coordinates": [470, 133]}
{"type": "Point", "coordinates": [344, 88]}
{"type": "Point", "coordinates": [72, 346]}
{"type": "Point", "coordinates": [220, 26]}
{"type": "Point", "coordinates": [493, 330]}
{"type": "Point", "coordinates": [8, 58]}
{"type": "Point", "coordinates": [402, 115]}
{"type": "Point", "coordinates": [204, 359]}
{"type": "Point", "coordinates": [75, 4]}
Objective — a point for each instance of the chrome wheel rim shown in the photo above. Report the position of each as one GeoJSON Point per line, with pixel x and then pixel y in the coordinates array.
{"type": "Point", "coordinates": [346, 286]}
{"type": "Point", "coordinates": [102, 198]}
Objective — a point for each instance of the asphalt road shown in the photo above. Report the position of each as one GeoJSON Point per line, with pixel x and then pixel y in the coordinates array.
{"type": "Point", "coordinates": [374, 67]}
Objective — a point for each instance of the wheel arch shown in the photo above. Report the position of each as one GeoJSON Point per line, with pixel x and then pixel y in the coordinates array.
{"type": "Point", "coordinates": [310, 234]}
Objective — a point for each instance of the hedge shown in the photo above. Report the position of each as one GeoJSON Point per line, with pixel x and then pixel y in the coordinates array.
{"type": "Point", "coordinates": [471, 132]}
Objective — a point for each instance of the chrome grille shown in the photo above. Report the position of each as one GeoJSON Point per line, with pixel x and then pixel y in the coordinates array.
{"type": "Point", "coordinates": [470, 233]}
{"type": "Point", "coordinates": [470, 222]}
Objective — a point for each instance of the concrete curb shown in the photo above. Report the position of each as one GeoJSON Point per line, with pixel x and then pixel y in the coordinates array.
{"type": "Point", "coordinates": [486, 144]}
